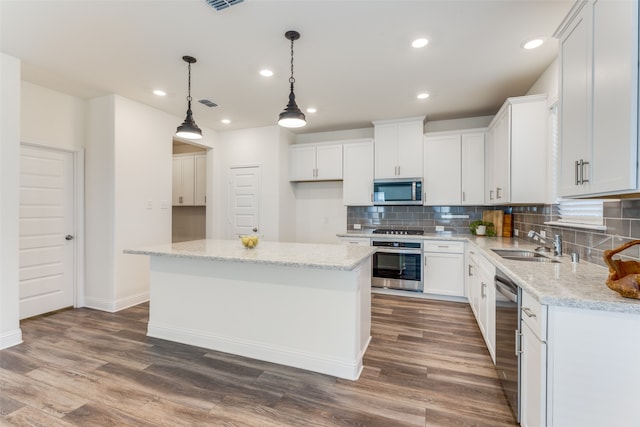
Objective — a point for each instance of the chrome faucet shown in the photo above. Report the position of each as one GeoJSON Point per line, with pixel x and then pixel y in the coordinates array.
{"type": "Point", "coordinates": [536, 236]}
{"type": "Point", "coordinates": [557, 245]}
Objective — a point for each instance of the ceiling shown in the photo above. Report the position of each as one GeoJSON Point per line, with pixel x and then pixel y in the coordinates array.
{"type": "Point", "coordinates": [353, 62]}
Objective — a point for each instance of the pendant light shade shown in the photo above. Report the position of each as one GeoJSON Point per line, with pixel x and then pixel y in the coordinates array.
{"type": "Point", "coordinates": [292, 117]}
{"type": "Point", "coordinates": [189, 129]}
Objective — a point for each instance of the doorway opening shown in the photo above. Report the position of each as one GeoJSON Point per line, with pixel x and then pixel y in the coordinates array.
{"type": "Point", "coordinates": [189, 192]}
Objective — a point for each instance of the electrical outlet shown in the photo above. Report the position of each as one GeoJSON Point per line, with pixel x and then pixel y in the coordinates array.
{"type": "Point", "coordinates": [516, 232]}
{"type": "Point", "coordinates": [357, 226]}
{"type": "Point", "coordinates": [439, 227]}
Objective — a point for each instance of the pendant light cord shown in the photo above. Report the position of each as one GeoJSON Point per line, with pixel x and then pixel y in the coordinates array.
{"type": "Point", "coordinates": [189, 87]}
{"type": "Point", "coordinates": [292, 79]}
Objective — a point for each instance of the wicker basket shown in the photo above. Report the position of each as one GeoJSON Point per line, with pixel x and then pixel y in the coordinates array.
{"type": "Point", "coordinates": [624, 276]}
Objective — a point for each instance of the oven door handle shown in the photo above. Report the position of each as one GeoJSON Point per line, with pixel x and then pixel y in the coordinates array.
{"type": "Point", "coordinates": [398, 251]}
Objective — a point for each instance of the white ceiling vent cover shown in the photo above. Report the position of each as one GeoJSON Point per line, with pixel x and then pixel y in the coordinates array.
{"type": "Point", "coordinates": [222, 4]}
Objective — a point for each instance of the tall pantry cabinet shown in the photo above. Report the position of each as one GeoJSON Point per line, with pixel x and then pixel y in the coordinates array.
{"type": "Point", "coordinates": [599, 98]}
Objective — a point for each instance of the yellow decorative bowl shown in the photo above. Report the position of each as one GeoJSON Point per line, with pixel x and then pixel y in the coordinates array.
{"type": "Point", "coordinates": [249, 241]}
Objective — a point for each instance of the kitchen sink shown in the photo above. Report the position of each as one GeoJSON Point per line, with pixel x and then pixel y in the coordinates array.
{"type": "Point", "coordinates": [510, 253]}
{"type": "Point", "coordinates": [520, 255]}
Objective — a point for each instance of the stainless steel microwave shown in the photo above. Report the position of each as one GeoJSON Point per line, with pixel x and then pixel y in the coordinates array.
{"type": "Point", "coordinates": [398, 191]}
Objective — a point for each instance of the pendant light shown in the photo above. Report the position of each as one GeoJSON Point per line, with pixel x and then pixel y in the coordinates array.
{"type": "Point", "coordinates": [292, 117]}
{"type": "Point", "coordinates": [189, 129]}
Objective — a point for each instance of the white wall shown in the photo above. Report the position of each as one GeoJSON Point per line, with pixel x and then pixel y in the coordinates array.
{"type": "Point", "coordinates": [128, 201]}
{"type": "Point", "coordinates": [257, 146]}
{"type": "Point", "coordinates": [10, 333]}
{"type": "Point", "coordinates": [548, 83]}
{"type": "Point", "coordinates": [52, 118]}
{"type": "Point", "coordinates": [458, 124]}
{"type": "Point", "coordinates": [339, 135]}
{"type": "Point", "coordinates": [320, 214]}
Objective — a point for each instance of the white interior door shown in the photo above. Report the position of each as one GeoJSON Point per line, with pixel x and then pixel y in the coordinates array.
{"type": "Point", "coordinates": [244, 201]}
{"type": "Point", "coordinates": [46, 229]}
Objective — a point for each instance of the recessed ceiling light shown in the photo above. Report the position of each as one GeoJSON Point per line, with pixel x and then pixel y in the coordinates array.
{"type": "Point", "coordinates": [421, 42]}
{"type": "Point", "coordinates": [266, 73]}
{"type": "Point", "coordinates": [312, 110]}
{"type": "Point", "coordinates": [533, 43]}
{"type": "Point", "coordinates": [225, 121]}
{"type": "Point", "coordinates": [423, 95]}
{"type": "Point", "coordinates": [159, 92]}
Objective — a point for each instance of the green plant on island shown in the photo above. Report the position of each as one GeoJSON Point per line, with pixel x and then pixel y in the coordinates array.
{"type": "Point", "coordinates": [491, 231]}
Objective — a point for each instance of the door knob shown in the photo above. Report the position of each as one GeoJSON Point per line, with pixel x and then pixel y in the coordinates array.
{"type": "Point", "coordinates": [255, 229]}
{"type": "Point", "coordinates": [68, 237]}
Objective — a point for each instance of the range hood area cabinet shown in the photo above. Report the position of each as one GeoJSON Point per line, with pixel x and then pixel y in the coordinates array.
{"type": "Point", "coordinates": [357, 184]}
{"type": "Point", "coordinates": [398, 148]}
{"type": "Point", "coordinates": [315, 162]}
{"type": "Point", "coordinates": [189, 180]}
{"type": "Point", "coordinates": [599, 99]}
{"type": "Point", "coordinates": [516, 152]}
{"type": "Point", "coordinates": [454, 168]}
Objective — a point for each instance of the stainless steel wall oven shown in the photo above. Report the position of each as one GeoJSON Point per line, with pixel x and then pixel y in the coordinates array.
{"type": "Point", "coordinates": [397, 264]}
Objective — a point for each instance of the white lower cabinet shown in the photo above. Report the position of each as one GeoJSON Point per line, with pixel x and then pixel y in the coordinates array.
{"type": "Point", "coordinates": [533, 363]}
{"type": "Point", "coordinates": [481, 292]}
{"type": "Point", "coordinates": [444, 268]}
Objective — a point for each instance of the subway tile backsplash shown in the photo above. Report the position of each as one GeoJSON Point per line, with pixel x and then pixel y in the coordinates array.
{"type": "Point", "coordinates": [622, 218]}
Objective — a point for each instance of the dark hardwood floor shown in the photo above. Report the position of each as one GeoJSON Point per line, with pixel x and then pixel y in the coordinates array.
{"type": "Point", "coordinates": [426, 366]}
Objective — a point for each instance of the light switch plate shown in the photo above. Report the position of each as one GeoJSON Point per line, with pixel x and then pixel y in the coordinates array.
{"type": "Point", "coordinates": [357, 226]}
{"type": "Point", "coordinates": [439, 227]}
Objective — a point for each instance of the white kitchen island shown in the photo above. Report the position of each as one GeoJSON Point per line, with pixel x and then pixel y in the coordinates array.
{"type": "Point", "coordinates": [301, 305]}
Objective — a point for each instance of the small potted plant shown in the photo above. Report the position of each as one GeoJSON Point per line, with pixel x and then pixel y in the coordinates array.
{"type": "Point", "coordinates": [477, 228]}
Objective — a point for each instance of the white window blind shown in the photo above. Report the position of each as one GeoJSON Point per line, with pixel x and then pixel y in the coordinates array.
{"type": "Point", "coordinates": [588, 212]}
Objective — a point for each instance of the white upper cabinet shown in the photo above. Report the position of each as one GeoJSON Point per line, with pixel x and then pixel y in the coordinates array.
{"type": "Point", "coordinates": [454, 168]}
{"type": "Point", "coordinates": [473, 168]}
{"type": "Point", "coordinates": [599, 99]}
{"type": "Point", "coordinates": [200, 180]}
{"type": "Point", "coordinates": [442, 170]}
{"type": "Point", "coordinates": [315, 162]}
{"type": "Point", "coordinates": [357, 184]}
{"type": "Point", "coordinates": [398, 148]}
{"type": "Point", "coordinates": [516, 153]}
{"type": "Point", "coordinates": [189, 180]}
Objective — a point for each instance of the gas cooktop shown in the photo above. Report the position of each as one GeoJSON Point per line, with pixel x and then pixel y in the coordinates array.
{"type": "Point", "coordinates": [398, 232]}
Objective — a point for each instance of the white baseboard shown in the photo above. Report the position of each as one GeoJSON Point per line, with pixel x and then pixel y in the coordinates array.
{"type": "Point", "coordinates": [11, 338]}
{"type": "Point", "coordinates": [348, 369]}
{"type": "Point", "coordinates": [116, 305]}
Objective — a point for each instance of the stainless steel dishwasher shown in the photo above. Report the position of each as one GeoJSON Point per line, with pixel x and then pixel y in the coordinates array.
{"type": "Point", "coordinates": [507, 339]}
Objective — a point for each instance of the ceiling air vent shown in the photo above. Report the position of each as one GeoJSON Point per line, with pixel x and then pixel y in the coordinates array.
{"type": "Point", "coordinates": [208, 103]}
{"type": "Point", "coordinates": [222, 4]}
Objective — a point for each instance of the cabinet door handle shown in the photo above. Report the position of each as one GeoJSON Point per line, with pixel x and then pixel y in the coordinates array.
{"type": "Point", "coordinates": [470, 272]}
{"type": "Point", "coordinates": [180, 199]}
{"type": "Point", "coordinates": [371, 197]}
{"type": "Point", "coordinates": [483, 292]}
{"type": "Point", "coordinates": [518, 344]}
{"type": "Point", "coordinates": [463, 197]}
{"type": "Point", "coordinates": [490, 194]}
{"type": "Point", "coordinates": [398, 170]}
{"type": "Point", "coordinates": [582, 174]}
{"type": "Point", "coordinates": [498, 191]}
{"type": "Point", "coordinates": [577, 166]}
{"type": "Point", "coordinates": [528, 312]}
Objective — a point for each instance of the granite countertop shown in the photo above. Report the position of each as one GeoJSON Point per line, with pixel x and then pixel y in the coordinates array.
{"type": "Point", "coordinates": [578, 285]}
{"type": "Point", "coordinates": [322, 256]}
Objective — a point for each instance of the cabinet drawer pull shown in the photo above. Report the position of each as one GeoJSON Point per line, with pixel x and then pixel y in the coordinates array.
{"type": "Point", "coordinates": [528, 312]}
